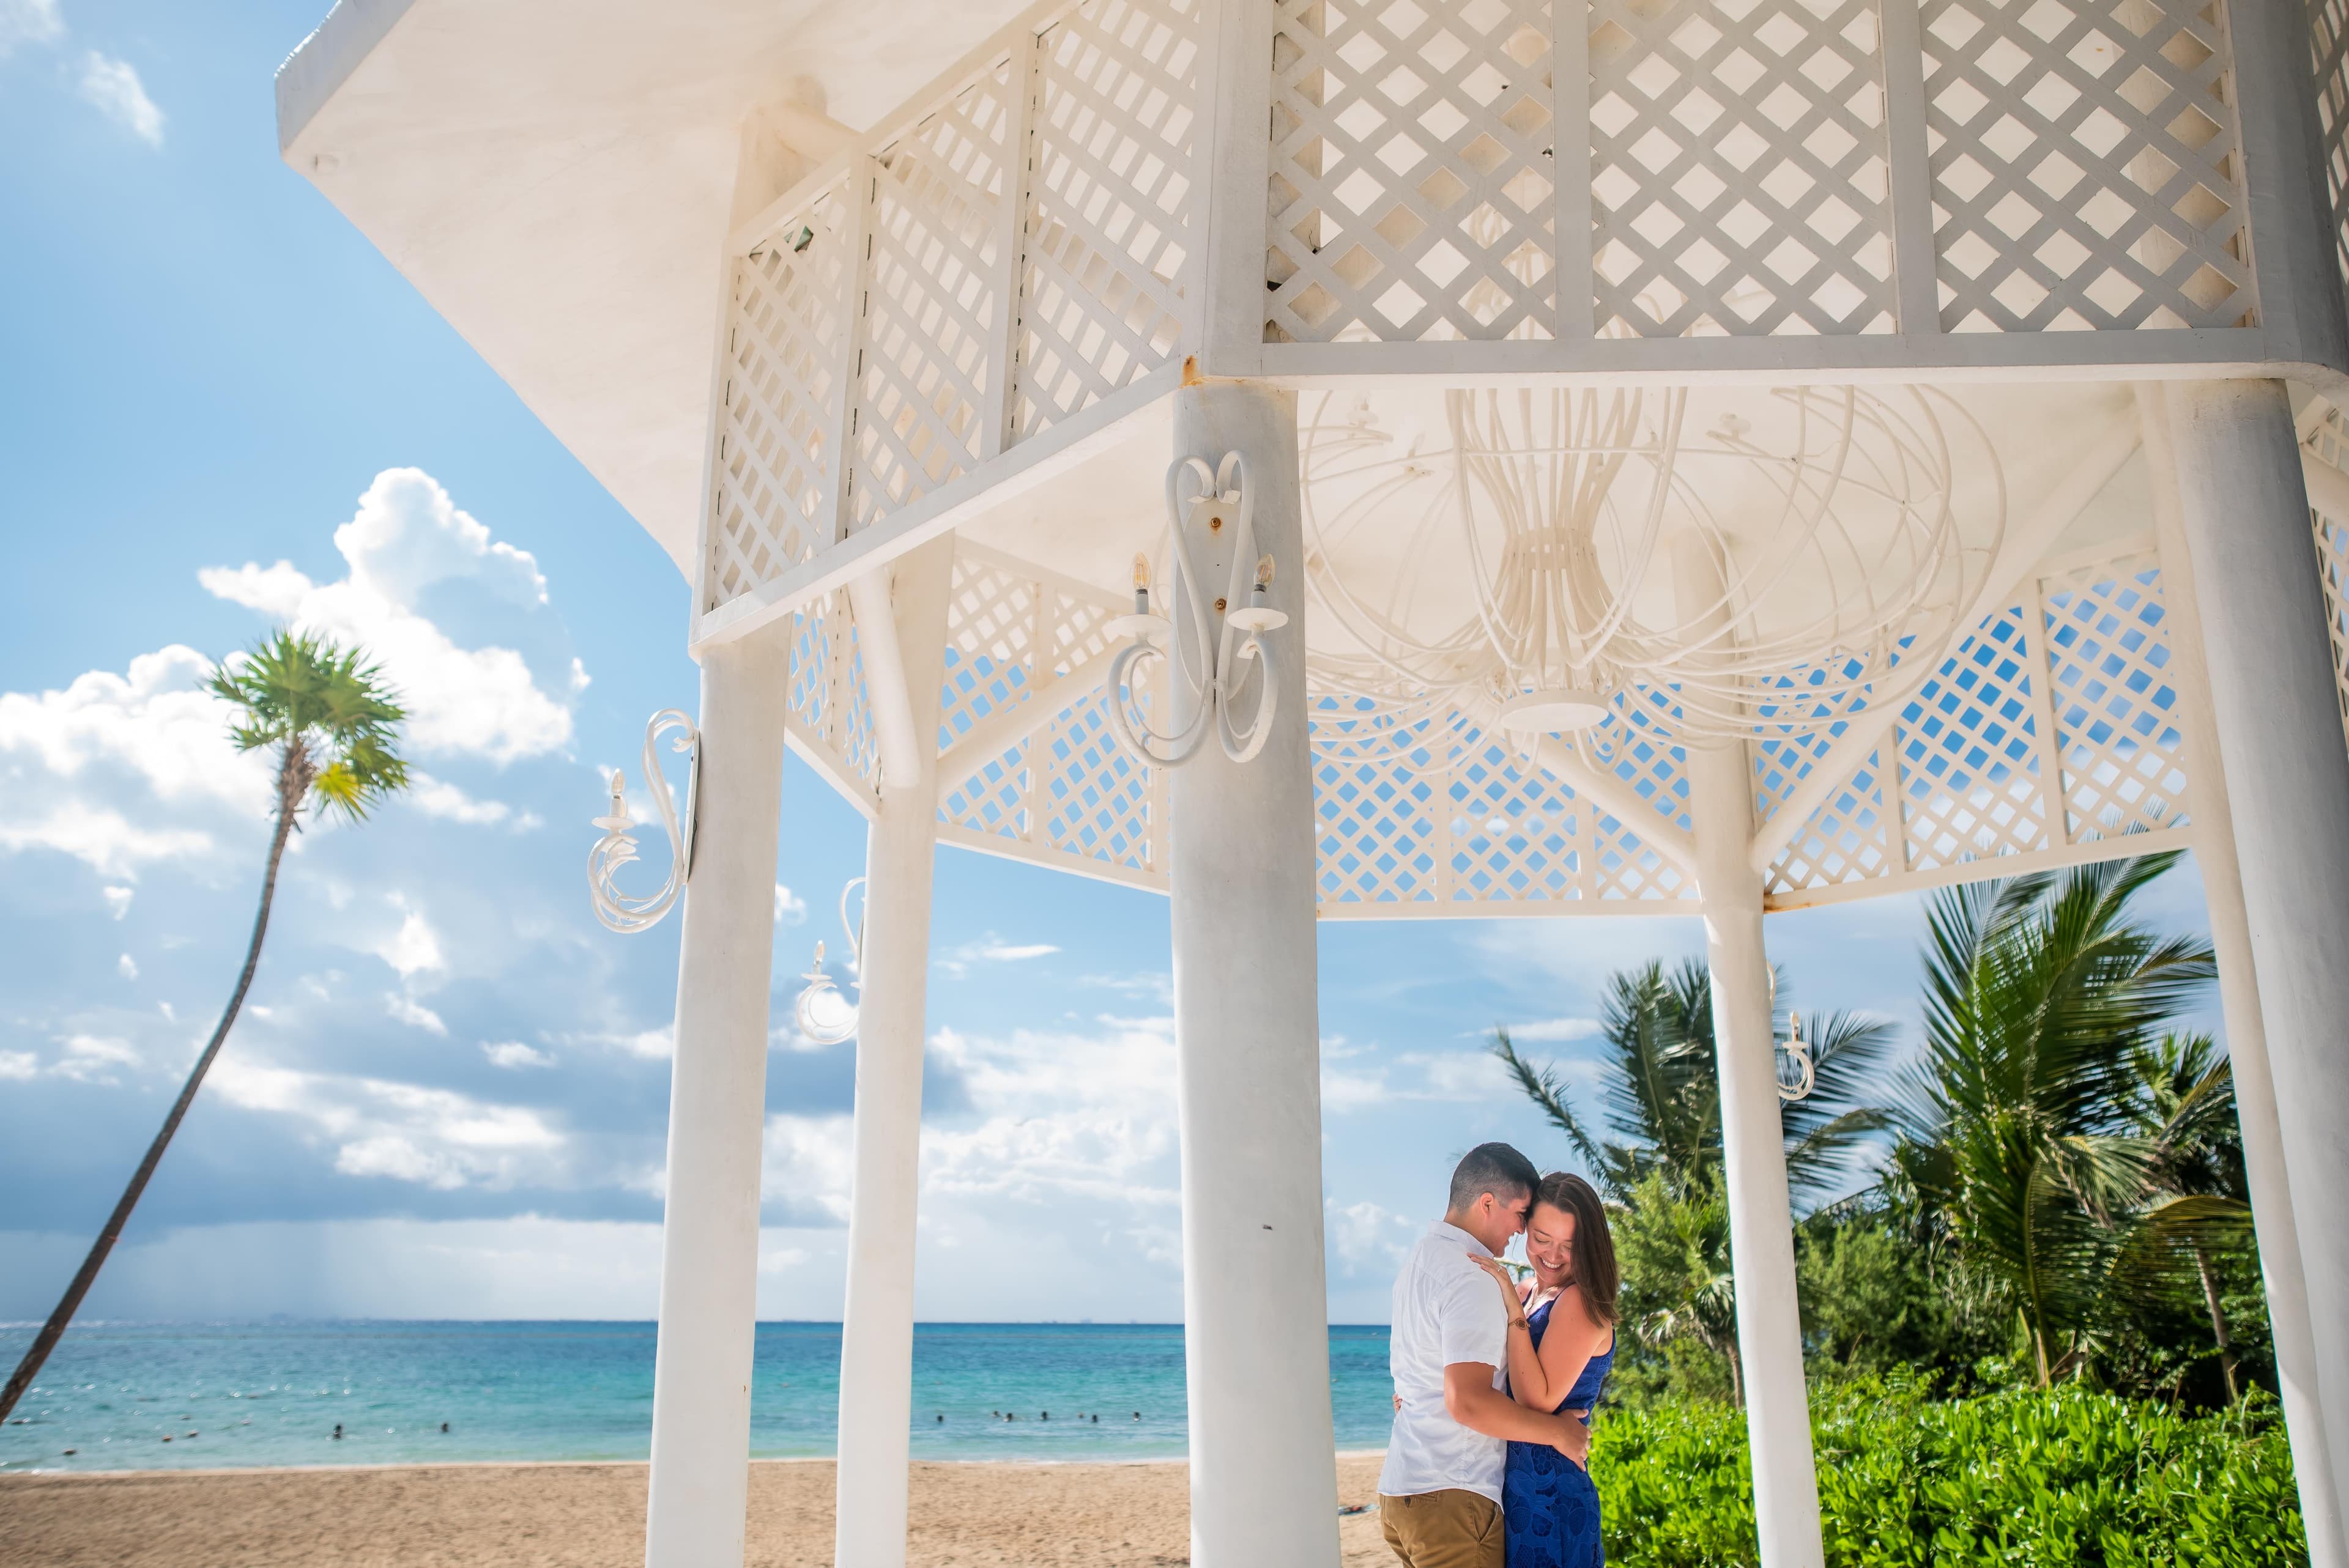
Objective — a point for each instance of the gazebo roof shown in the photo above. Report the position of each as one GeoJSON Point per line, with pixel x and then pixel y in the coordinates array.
{"type": "Point", "coordinates": [968, 315]}
{"type": "Point", "coordinates": [555, 176]}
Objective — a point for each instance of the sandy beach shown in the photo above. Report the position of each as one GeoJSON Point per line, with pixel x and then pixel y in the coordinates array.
{"type": "Point", "coordinates": [591, 1516]}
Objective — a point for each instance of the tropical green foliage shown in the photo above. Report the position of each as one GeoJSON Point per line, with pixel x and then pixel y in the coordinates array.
{"type": "Point", "coordinates": [2016, 1147]}
{"type": "Point", "coordinates": [2059, 1190]}
{"type": "Point", "coordinates": [1660, 1162]}
{"type": "Point", "coordinates": [1662, 1097]}
{"type": "Point", "coordinates": [326, 710]}
{"type": "Point", "coordinates": [2043, 1477]}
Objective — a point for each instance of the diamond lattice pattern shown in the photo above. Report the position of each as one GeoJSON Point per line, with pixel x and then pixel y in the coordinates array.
{"type": "Point", "coordinates": [1066, 790]}
{"type": "Point", "coordinates": [2328, 46]}
{"type": "Point", "coordinates": [937, 222]}
{"type": "Point", "coordinates": [1412, 194]}
{"type": "Point", "coordinates": [1968, 744]}
{"type": "Point", "coordinates": [2333, 568]}
{"type": "Point", "coordinates": [1439, 816]}
{"type": "Point", "coordinates": [2087, 169]}
{"type": "Point", "coordinates": [775, 459]}
{"type": "Point", "coordinates": [2122, 756]}
{"type": "Point", "coordinates": [1108, 233]}
{"type": "Point", "coordinates": [829, 706]}
{"type": "Point", "coordinates": [1739, 176]}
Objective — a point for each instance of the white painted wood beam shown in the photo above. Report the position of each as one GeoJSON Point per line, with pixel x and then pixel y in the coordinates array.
{"type": "Point", "coordinates": [895, 731]}
{"type": "Point", "coordinates": [1619, 801]}
{"type": "Point", "coordinates": [1007, 726]}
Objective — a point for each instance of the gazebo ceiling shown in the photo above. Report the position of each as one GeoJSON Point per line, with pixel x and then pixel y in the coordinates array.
{"type": "Point", "coordinates": [556, 178]}
{"type": "Point", "coordinates": [1088, 522]}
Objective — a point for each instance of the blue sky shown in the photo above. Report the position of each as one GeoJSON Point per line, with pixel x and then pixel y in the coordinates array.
{"type": "Point", "coordinates": [219, 407]}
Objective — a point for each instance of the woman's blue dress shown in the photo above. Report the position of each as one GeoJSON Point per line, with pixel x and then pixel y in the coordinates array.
{"type": "Point", "coordinates": [1549, 1510]}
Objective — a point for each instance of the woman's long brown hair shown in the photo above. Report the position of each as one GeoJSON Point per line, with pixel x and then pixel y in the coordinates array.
{"type": "Point", "coordinates": [1593, 1251]}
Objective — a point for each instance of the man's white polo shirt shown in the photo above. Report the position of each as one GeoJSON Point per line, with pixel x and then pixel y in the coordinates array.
{"type": "Point", "coordinates": [1447, 1309]}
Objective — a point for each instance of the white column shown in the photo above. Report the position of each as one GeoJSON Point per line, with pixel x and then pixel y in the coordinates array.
{"type": "Point", "coordinates": [716, 1109]}
{"type": "Point", "coordinates": [876, 1341]}
{"type": "Point", "coordinates": [1264, 1489]}
{"type": "Point", "coordinates": [1754, 1149]}
{"type": "Point", "coordinates": [2247, 1045]}
{"type": "Point", "coordinates": [2276, 710]}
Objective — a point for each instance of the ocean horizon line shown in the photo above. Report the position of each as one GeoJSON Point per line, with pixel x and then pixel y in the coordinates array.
{"type": "Point", "coordinates": [281, 1392]}
{"type": "Point", "coordinates": [283, 1318]}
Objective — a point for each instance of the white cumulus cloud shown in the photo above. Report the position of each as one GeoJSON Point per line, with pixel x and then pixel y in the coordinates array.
{"type": "Point", "coordinates": [128, 966]}
{"type": "Point", "coordinates": [957, 962]}
{"type": "Point", "coordinates": [28, 22]}
{"type": "Point", "coordinates": [514, 1054]}
{"type": "Point", "coordinates": [415, 947]}
{"type": "Point", "coordinates": [406, 1132]}
{"type": "Point", "coordinates": [93, 1058]}
{"type": "Point", "coordinates": [414, 1013]}
{"type": "Point", "coordinates": [113, 88]}
{"type": "Point", "coordinates": [123, 770]}
{"type": "Point", "coordinates": [439, 797]}
{"type": "Point", "coordinates": [407, 536]}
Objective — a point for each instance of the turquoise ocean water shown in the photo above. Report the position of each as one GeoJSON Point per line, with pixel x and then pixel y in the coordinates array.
{"type": "Point", "coordinates": [268, 1394]}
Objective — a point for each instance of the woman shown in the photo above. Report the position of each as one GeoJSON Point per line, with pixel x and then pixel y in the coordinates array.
{"type": "Point", "coordinates": [1561, 1343]}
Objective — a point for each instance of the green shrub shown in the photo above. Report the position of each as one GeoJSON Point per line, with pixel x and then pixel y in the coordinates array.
{"type": "Point", "coordinates": [2034, 1479]}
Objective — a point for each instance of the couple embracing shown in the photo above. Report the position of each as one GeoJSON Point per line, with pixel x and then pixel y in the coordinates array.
{"type": "Point", "coordinates": [1494, 1380]}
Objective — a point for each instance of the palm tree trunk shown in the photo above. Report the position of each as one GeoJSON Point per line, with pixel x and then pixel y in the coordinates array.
{"type": "Point", "coordinates": [288, 802]}
{"type": "Point", "coordinates": [1736, 1376]}
{"type": "Point", "coordinates": [2217, 1322]}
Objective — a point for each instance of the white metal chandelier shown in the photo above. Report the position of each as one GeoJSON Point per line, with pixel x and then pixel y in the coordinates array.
{"type": "Point", "coordinates": [1828, 518]}
{"type": "Point", "coordinates": [1210, 641]}
{"type": "Point", "coordinates": [617, 847]}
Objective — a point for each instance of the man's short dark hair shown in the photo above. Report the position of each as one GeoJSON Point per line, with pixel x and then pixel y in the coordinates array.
{"type": "Point", "coordinates": [1494, 1168]}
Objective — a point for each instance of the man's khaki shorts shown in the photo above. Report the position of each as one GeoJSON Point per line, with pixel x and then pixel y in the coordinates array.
{"type": "Point", "coordinates": [1450, 1528]}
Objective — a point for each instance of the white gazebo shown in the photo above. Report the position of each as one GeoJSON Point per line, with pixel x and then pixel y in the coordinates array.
{"type": "Point", "coordinates": [1697, 457]}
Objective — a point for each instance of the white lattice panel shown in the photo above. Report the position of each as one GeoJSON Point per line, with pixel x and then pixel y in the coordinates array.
{"type": "Point", "coordinates": [775, 461]}
{"type": "Point", "coordinates": [2087, 169]}
{"type": "Point", "coordinates": [1970, 787]}
{"type": "Point", "coordinates": [1848, 840]}
{"type": "Point", "coordinates": [1412, 191]}
{"type": "Point", "coordinates": [1378, 819]}
{"type": "Point", "coordinates": [1512, 834]}
{"type": "Point", "coordinates": [1063, 792]}
{"type": "Point", "coordinates": [991, 629]}
{"type": "Point", "coordinates": [2333, 569]}
{"type": "Point", "coordinates": [993, 802]}
{"type": "Point", "coordinates": [1440, 819]}
{"type": "Point", "coordinates": [1739, 175]}
{"type": "Point", "coordinates": [936, 225]}
{"type": "Point", "coordinates": [1110, 228]}
{"type": "Point", "coordinates": [2328, 47]}
{"type": "Point", "coordinates": [1654, 765]}
{"type": "Point", "coordinates": [830, 711]}
{"type": "Point", "coordinates": [1097, 803]}
{"type": "Point", "coordinates": [2117, 743]}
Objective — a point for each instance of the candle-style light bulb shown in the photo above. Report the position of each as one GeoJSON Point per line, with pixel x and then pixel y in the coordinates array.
{"type": "Point", "coordinates": [1141, 583]}
{"type": "Point", "coordinates": [1258, 598]}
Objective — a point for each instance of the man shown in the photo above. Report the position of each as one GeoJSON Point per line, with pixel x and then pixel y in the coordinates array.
{"type": "Point", "coordinates": [1440, 1492]}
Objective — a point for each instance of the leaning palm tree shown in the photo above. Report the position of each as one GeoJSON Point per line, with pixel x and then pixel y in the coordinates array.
{"type": "Point", "coordinates": [2015, 1139]}
{"type": "Point", "coordinates": [1660, 1095]}
{"type": "Point", "coordinates": [334, 726]}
